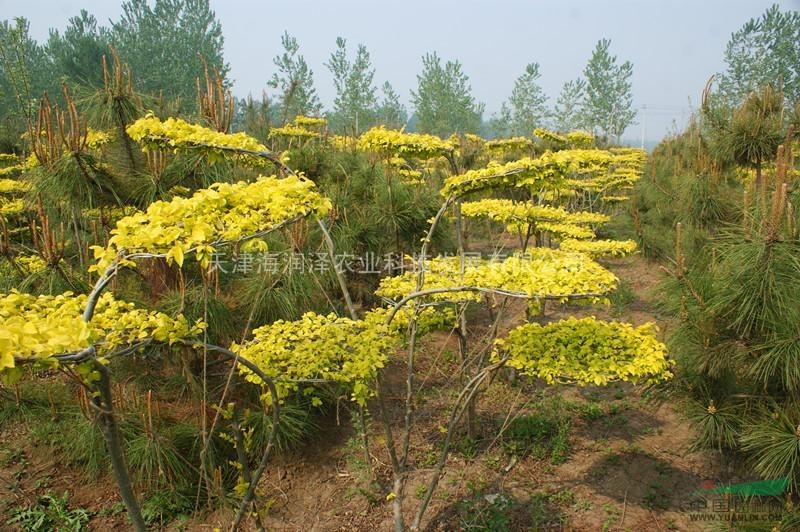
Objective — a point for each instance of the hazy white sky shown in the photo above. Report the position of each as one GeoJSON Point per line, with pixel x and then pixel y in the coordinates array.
{"type": "Point", "coordinates": [674, 45]}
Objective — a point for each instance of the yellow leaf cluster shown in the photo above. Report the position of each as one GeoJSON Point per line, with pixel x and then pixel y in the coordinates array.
{"type": "Point", "coordinates": [629, 157]}
{"type": "Point", "coordinates": [547, 171]}
{"type": "Point", "coordinates": [566, 230]}
{"type": "Point", "coordinates": [42, 327]}
{"type": "Point", "coordinates": [508, 144]}
{"type": "Point", "coordinates": [411, 177]}
{"type": "Point", "coordinates": [586, 351]}
{"type": "Point", "coordinates": [95, 139]}
{"type": "Point", "coordinates": [11, 186]}
{"type": "Point", "coordinates": [178, 134]}
{"type": "Point", "coordinates": [340, 350]}
{"type": "Point", "coordinates": [518, 215]}
{"type": "Point", "coordinates": [396, 142]}
{"type": "Point", "coordinates": [13, 170]}
{"type": "Point", "coordinates": [31, 263]}
{"type": "Point", "coordinates": [292, 130]}
{"type": "Point", "coordinates": [543, 272]}
{"type": "Point", "coordinates": [342, 142]}
{"type": "Point", "coordinates": [616, 199]}
{"type": "Point", "coordinates": [549, 136]}
{"type": "Point", "coordinates": [11, 207]}
{"type": "Point", "coordinates": [309, 121]}
{"type": "Point", "coordinates": [622, 178]}
{"type": "Point", "coordinates": [337, 350]}
{"type": "Point", "coordinates": [580, 139]}
{"type": "Point", "coordinates": [599, 248]}
{"type": "Point", "coordinates": [225, 212]}
{"type": "Point", "coordinates": [474, 139]}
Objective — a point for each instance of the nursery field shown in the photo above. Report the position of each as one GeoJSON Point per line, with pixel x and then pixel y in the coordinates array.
{"type": "Point", "coordinates": [222, 314]}
{"type": "Point", "coordinates": [505, 370]}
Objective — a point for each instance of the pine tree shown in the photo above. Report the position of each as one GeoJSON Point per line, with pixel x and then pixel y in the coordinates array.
{"type": "Point", "coordinates": [443, 100]}
{"type": "Point", "coordinates": [166, 44]}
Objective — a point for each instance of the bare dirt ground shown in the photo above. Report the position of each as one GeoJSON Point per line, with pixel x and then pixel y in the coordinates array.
{"type": "Point", "coordinates": [628, 465]}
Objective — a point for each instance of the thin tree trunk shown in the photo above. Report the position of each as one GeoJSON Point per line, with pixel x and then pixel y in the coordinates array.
{"type": "Point", "coordinates": [759, 182]}
{"type": "Point", "coordinates": [241, 455]}
{"type": "Point", "coordinates": [400, 479]}
{"type": "Point", "coordinates": [104, 405]}
{"type": "Point", "coordinates": [326, 235]}
{"type": "Point", "coordinates": [365, 441]}
{"type": "Point", "coordinates": [463, 351]}
{"type": "Point", "coordinates": [103, 402]}
{"type": "Point", "coordinates": [527, 239]}
{"type": "Point", "coordinates": [124, 138]}
{"type": "Point", "coordinates": [397, 504]}
{"type": "Point", "coordinates": [79, 246]}
{"type": "Point", "coordinates": [397, 469]}
{"type": "Point", "coordinates": [462, 325]}
{"type": "Point", "coordinates": [249, 494]}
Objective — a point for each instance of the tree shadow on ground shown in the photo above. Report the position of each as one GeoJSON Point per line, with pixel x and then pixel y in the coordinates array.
{"type": "Point", "coordinates": [489, 510]}
{"type": "Point", "coordinates": [637, 477]}
{"type": "Point", "coordinates": [626, 424]}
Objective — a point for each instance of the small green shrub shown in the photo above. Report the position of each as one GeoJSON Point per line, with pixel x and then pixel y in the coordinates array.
{"type": "Point", "coordinates": [592, 411]}
{"type": "Point", "coordinates": [296, 425]}
{"type": "Point", "coordinates": [540, 435]}
{"type": "Point", "coordinates": [164, 506]}
{"type": "Point", "coordinates": [621, 298]}
{"type": "Point", "coordinates": [162, 458]}
{"type": "Point", "coordinates": [50, 512]}
{"type": "Point", "coordinates": [76, 437]}
{"type": "Point", "coordinates": [486, 513]}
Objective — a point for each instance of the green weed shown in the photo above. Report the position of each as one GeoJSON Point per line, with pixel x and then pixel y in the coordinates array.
{"type": "Point", "coordinates": [50, 512]}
